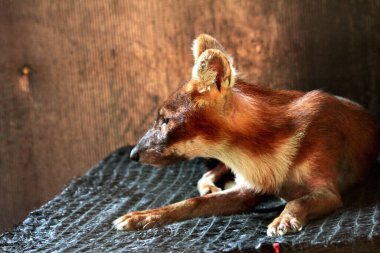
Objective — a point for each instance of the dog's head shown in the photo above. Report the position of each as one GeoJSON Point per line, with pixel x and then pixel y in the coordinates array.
{"type": "Point", "coordinates": [188, 124]}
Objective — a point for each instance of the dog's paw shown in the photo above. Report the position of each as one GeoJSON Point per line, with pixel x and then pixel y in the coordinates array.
{"type": "Point", "coordinates": [140, 220]}
{"type": "Point", "coordinates": [284, 224]}
{"type": "Point", "coordinates": [207, 189]}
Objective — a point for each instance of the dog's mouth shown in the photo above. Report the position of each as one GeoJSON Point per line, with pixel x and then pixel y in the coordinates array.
{"type": "Point", "coordinates": [158, 159]}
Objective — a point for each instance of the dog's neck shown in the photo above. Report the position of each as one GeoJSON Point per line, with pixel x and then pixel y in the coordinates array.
{"type": "Point", "coordinates": [260, 142]}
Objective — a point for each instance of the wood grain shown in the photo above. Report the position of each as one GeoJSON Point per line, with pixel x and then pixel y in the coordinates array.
{"type": "Point", "coordinates": [101, 68]}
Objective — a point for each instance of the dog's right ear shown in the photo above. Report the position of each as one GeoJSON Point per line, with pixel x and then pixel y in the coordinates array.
{"type": "Point", "coordinates": [204, 42]}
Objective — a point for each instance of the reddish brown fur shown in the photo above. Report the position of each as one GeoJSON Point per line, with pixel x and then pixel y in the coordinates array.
{"type": "Point", "coordinates": [304, 147]}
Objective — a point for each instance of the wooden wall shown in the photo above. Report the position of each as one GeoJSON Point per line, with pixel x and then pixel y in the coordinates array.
{"type": "Point", "coordinates": [100, 68]}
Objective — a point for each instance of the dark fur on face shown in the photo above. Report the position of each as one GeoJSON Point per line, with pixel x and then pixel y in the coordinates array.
{"type": "Point", "coordinates": [170, 126]}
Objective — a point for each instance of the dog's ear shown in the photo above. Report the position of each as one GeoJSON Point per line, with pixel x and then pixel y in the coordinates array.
{"type": "Point", "coordinates": [204, 42]}
{"type": "Point", "coordinates": [213, 68]}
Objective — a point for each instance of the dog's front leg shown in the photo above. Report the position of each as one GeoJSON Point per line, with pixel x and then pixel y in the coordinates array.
{"type": "Point", "coordinates": [231, 201]}
{"type": "Point", "coordinates": [297, 212]}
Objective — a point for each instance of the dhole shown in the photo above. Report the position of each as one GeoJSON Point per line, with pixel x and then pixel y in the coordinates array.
{"type": "Point", "coordinates": [306, 148]}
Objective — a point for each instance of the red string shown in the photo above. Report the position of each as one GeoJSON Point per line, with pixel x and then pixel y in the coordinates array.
{"type": "Point", "coordinates": [276, 247]}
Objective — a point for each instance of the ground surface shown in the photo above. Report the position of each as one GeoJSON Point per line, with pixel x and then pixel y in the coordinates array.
{"type": "Point", "coordinates": [79, 219]}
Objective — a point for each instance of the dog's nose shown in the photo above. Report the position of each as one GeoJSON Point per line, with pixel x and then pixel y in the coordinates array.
{"type": "Point", "coordinates": [134, 154]}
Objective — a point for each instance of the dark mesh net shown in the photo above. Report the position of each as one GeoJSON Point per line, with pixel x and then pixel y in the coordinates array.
{"type": "Point", "coordinates": [79, 219]}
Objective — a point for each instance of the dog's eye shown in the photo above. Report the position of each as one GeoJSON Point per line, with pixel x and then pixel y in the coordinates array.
{"type": "Point", "coordinates": [165, 120]}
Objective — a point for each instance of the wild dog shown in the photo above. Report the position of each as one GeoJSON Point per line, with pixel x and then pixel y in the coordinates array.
{"type": "Point", "coordinates": [305, 147]}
